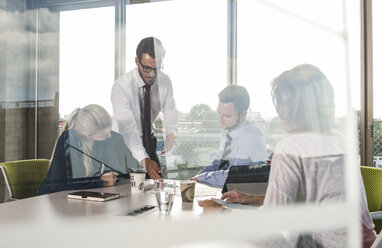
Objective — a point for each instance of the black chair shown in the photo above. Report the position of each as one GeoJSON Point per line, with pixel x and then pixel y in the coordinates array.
{"type": "Point", "coordinates": [251, 179]}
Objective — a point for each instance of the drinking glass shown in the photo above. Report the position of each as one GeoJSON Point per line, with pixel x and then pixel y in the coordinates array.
{"type": "Point", "coordinates": [164, 194]}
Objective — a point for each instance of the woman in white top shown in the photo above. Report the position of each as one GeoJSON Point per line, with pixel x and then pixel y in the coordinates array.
{"type": "Point", "coordinates": [308, 165]}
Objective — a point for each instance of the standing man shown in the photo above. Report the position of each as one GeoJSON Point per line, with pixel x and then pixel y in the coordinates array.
{"type": "Point", "coordinates": [138, 97]}
{"type": "Point", "coordinates": [241, 142]}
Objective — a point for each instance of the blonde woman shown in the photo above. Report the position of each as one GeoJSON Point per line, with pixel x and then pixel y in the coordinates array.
{"type": "Point", "coordinates": [83, 156]}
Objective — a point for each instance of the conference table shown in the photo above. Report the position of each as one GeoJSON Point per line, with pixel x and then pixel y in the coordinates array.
{"type": "Point", "coordinates": [67, 222]}
{"type": "Point", "coordinates": [53, 220]}
{"type": "Point", "coordinates": [58, 206]}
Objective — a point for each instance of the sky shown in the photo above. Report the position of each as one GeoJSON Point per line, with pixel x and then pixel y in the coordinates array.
{"type": "Point", "coordinates": [273, 36]}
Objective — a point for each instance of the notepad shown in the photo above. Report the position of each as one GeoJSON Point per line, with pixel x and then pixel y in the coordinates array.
{"type": "Point", "coordinates": [93, 196]}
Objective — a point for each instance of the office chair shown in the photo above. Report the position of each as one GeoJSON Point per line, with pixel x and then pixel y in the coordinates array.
{"type": "Point", "coordinates": [378, 242]}
{"type": "Point", "coordinates": [22, 178]}
{"type": "Point", "coordinates": [251, 178]}
{"type": "Point", "coordinates": [372, 180]}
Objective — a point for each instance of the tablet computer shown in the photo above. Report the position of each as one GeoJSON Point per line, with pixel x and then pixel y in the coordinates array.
{"type": "Point", "coordinates": [92, 196]}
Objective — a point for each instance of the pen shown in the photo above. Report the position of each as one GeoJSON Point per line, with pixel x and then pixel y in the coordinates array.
{"type": "Point", "coordinates": [102, 168]}
{"type": "Point", "coordinates": [162, 153]}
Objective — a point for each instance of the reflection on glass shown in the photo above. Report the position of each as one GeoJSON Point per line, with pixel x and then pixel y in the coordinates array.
{"type": "Point", "coordinates": [28, 104]}
{"type": "Point", "coordinates": [87, 154]}
{"type": "Point", "coordinates": [307, 165]}
{"type": "Point", "coordinates": [274, 35]}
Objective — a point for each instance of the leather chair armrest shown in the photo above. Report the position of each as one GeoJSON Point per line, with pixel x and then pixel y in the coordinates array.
{"type": "Point", "coordinates": [376, 215]}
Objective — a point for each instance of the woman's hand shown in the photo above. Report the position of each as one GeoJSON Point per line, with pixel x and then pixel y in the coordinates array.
{"type": "Point", "coordinates": [243, 198]}
{"type": "Point", "coordinates": [109, 179]}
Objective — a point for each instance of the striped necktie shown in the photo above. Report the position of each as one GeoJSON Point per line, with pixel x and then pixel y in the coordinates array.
{"type": "Point", "coordinates": [224, 163]}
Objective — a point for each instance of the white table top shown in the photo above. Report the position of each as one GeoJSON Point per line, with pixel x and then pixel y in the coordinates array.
{"type": "Point", "coordinates": [58, 206]}
{"type": "Point", "coordinates": [44, 220]}
{"type": "Point", "coordinates": [53, 220]}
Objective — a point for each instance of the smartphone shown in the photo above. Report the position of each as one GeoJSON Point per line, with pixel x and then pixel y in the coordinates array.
{"type": "Point", "coordinates": [93, 196]}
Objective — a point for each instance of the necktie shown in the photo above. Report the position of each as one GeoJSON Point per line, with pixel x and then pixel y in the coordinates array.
{"type": "Point", "coordinates": [146, 124]}
{"type": "Point", "coordinates": [224, 163]}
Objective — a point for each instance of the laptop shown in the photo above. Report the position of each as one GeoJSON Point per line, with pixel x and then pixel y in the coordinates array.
{"type": "Point", "coordinates": [251, 179]}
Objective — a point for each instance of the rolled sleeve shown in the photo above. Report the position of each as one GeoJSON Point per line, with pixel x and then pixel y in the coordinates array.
{"type": "Point", "coordinates": [122, 100]}
{"type": "Point", "coordinates": [170, 113]}
{"type": "Point", "coordinates": [213, 178]}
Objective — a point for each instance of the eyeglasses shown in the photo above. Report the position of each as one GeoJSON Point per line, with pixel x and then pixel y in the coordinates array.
{"type": "Point", "coordinates": [149, 69]}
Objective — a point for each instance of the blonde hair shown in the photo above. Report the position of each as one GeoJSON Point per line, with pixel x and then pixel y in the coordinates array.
{"type": "Point", "coordinates": [85, 122]}
{"type": "Point", "coordinates": [304, 99]}
{"type": "Point", "coordinates": [89, 120]}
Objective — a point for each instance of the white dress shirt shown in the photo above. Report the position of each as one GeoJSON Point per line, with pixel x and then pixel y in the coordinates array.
{"type": "Point", "coordinates": [247, 143]}
{"type": "Point", "coordinates": [127, 100]}
{"type": "Point", "coordinates": [247, 147]}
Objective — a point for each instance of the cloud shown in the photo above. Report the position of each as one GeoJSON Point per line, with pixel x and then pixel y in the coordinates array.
{"type": "Point", "coordinates": [18, 53]}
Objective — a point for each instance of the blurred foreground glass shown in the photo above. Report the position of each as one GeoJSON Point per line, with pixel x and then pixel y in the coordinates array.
{"type": "Point", "coordinates": [164, 194]}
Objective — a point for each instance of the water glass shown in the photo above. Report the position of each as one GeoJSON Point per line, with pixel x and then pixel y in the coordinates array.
{"type": "Point", "coordinates": [164, 194]}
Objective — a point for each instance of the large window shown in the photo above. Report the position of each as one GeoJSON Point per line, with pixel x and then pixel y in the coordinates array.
{"type": "Point", "coordinates": [271, 37]}
{"type": "Point", "coordinates": [86, 58]}
{"type": "Point", "coordinates": [195, 61]}
{"type": "Point", "coordinates": [275, 36]}
{"type": "Point", "coordinates": [195, 47]}
{"type": "Point", "coordinates": [377, 83]}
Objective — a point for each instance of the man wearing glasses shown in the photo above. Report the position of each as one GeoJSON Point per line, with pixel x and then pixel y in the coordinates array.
{"type": "Point", "coordinates": [138, 97]}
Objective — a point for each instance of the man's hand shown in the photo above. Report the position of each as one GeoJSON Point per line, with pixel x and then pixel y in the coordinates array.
{"type": "Point", "coordinates": [195, 179]}
{"type": "Point", "coordinates": [109, 179]}
{"type": "Point", "coordinates": [243, 198]}
{"type": "Point", "coordinates": [152, 168]}
{"type": "Point", "coordinates": [169, 142]}
{"type": "Point", "coordinates": [208, 205]}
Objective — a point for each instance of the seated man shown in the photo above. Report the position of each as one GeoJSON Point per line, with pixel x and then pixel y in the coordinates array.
{"type": "Point", "coordinates": [241, 142]}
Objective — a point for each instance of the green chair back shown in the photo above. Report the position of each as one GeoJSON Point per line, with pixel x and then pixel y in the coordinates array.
{"type": "Point", "coordinates": [372, 180]}
{"type": "Point", "coordinates": [25, 176]}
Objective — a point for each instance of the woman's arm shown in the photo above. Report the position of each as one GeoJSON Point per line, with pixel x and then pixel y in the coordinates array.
{"type": "Point", "coordinates": [59, 176]}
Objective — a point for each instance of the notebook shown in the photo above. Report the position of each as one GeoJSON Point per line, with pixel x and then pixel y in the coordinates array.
{"type": "Point", "coordinates": [92, 196]}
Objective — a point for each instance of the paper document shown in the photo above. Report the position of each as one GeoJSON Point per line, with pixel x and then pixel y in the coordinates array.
{"type": "Point", "coordinates": [234, 205]}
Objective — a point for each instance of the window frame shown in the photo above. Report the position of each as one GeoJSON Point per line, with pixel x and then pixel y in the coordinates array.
{"type": "Point", "coordinates": [367, 123]}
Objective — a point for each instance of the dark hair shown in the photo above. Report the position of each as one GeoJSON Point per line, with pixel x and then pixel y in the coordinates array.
{"type": "Point", "coordinates": [304, 99]}
{"type": "Point", "coordinates": [238, 95]}
{"type": "Point", "coordinates": [151, 45]}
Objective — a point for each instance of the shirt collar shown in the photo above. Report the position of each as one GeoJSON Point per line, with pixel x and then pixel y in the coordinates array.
{"type": "Point", "coordinates": [139, 81]}
{"type": "Point", "coordinates": [236, 132]}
